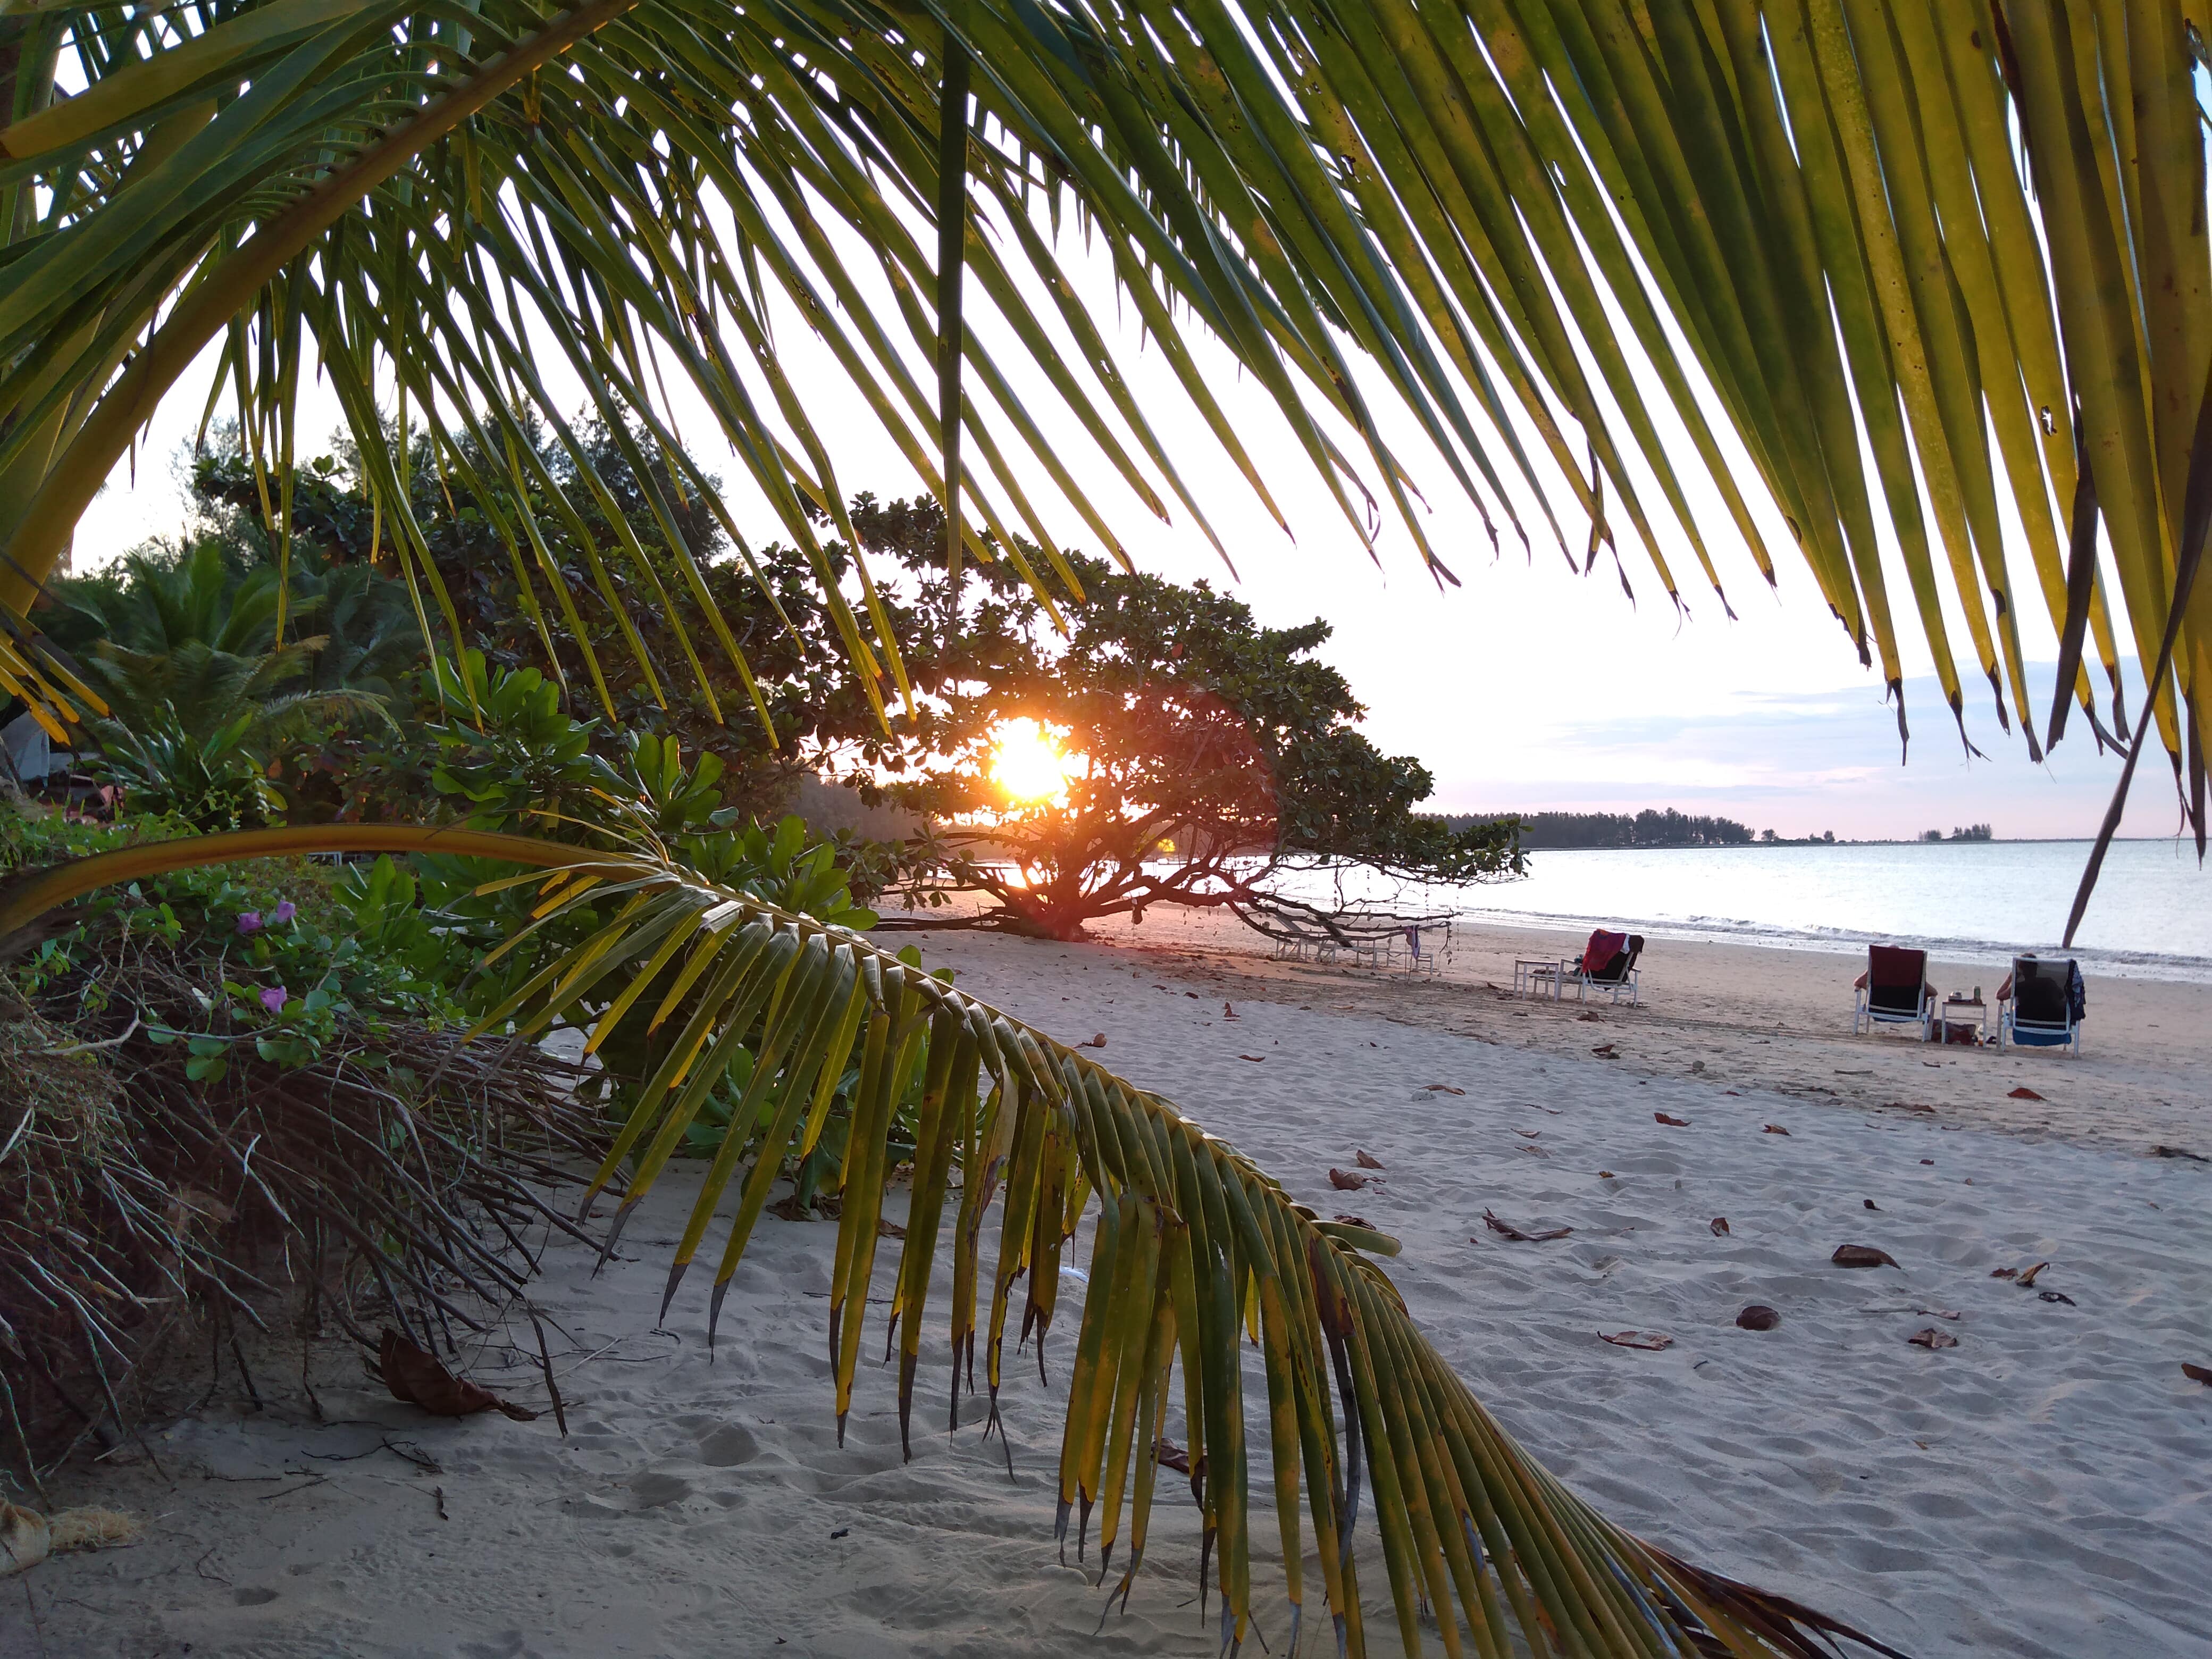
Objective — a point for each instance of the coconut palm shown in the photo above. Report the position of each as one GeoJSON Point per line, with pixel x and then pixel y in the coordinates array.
{"type": "Point", "coordinates": [1954, 251]}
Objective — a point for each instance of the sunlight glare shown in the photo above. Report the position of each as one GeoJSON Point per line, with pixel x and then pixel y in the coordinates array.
{"type": "Point", "coordinates": [1029, 765]}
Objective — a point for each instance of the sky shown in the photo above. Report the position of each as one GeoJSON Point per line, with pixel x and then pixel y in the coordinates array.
{"type": "Point", "coordinates": [1528, 686]}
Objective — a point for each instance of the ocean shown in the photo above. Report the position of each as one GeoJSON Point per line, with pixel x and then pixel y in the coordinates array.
{"type": "Point", "coordinates": [2150, 916]}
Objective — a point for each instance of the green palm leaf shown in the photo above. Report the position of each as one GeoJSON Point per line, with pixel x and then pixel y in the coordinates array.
{"type": "Point", "coordinates": [1935, 224]}
{"type": "Point", "coordinates": [1193, 1248]}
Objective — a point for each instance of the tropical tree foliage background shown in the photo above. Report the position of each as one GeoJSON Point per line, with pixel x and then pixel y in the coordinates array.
{"type": "Point", "coordinates": [1973, 232]}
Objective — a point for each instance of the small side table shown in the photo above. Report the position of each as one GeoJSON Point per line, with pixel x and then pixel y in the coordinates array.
{"type": "Point", "coordinates": [1968, 1011]}
{"type": "Point", "coordinates": [1529, 974]}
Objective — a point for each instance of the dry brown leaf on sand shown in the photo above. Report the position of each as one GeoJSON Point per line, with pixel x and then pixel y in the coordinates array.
{"type": "Point", "coordinates": [1603, 1051]}
{"type": "Point", "coordinates": [1358, 1221]}
{"type": "Point", "coordinates": [417, 1378]}
{"type": "Point", "coordinates": [1720, 1226]}
{"type": "Point", "coordinates": [1098, 1041]}
{"type": "Point", "coordinates": [1673, 1122]}
{"type": "Point", "coordinates": [1257, 1060]}
{"type": "Point", "coordinates": [1772, 1129]}
{"type": "Point", "coordinates": [2179, 1151]}
{"type": "Point", "coordinates": [2057, 1295]}
{"type": "Point", "coordinates": [1932, 1338]}
{"type": "Point", "coordinates": [2198, 1373]}
{"type": "Point", "coordinates": [1443, 1088]}
{"type": "Point", "coordinates": [2004, 1272]}
{"type": "Point", "coordinates": [1520, 1235]}
{"type": "Point", "coordinates": [1870, 1204]}
{"type": "Point", "coordinates": [1345, 1181]}
{"type": "Point", "coordinates": [2024, 1093]}
{"type": "Point", "coordinates": [1605, 1175]}
{"type": "Point", "coordinates": [1653, 1340]}
{"type": "Point", "coordinates": [2027, 1278]}
{"type": "Point", "coordinates": [1757, 1317]}
{"type": "Point", "coordinates": [1170, 1455]}
{"type": "Point", "coordinates": [1937, 1313]}
{"type": "Point", "coordinates": [1863, 1255]}
{"type": "Point", "coordinates": [889, 1228]}
{"type": "Point", "coordinates": [1368, 1161]}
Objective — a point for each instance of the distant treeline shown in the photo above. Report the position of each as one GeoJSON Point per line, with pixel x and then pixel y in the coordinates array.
{"type": "Point", "coordinates": [1650, 827]}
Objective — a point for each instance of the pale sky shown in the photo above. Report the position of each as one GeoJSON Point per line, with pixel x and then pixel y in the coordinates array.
{"type": "Point", "coordinates": [1529, 687]}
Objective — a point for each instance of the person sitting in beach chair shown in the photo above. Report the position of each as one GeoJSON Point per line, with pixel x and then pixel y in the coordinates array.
{"type": "Point", "coordinates": [1607, 964]}
{"type": "Point", "coordinates": [2041, 1004]}
{"type": "Point", "coordinates": [1894, 991]}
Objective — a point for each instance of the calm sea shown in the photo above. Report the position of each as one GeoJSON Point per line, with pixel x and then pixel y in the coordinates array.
{"type": "Point", "coordinates": [2150, 917]}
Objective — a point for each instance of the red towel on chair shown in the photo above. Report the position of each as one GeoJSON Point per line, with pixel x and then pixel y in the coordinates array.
{"type": "Point", "coordinates": [1603, 948]}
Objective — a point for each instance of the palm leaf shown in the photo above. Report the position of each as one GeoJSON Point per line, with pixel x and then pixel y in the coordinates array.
{"type": "Point", "coordinates": [1192, 1248]}
{"type": "Point", "coordinates": [1935, 224]}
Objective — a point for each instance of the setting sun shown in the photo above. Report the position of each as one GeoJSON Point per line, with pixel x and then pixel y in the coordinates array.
{"type": "Point", "coordinates": [1028, 763]}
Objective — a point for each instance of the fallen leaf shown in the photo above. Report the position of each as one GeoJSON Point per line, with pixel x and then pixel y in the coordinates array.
{"type": "Point", "coordinates": [1757, 1317]}
{"type": "Point", "coordinates": [1932, 1338]}
{"type": "Point", "coordinates": [1870, 1204]}
{"type": "Point", "coordinates": [1170, 1455]}
{"type": "Point", "coordinates": [1720, 1226]}
{"type": "Point", "coordinates": [1653, 1340]}
{"type": "Point", "coordinates": [2024, 1093]}
{"type": "Point", "coordinates": [2056, 1295]}
{"type": "Point", "coordinates": [1603, 1051]}
{"type": "Point", "coordinates": [1369, 1161]}
{"type": "Point", "coordinates": [417, 1378]}
{"type": "Point", "coordinates": [1676, 1122]}
{"type": "Point", "coordinates": [1443, 1088]}
{"type": "Point", "coordinates": [1731, 1091]}
{"type": "Point", "coordinates": [1347, 1182]}
{"type": "Point", "coordinates": [1257, 1060]}
{"type": "Point", "coordinates": [1520, 1236]}
{"type": "Point", "coordinates": [889, 1228]}
{"type": "Point", "coordinates": [1098, 1041]}
{"type": "Point", "coordinates": [2027, 1278]}
{"type": "Point", "coordinates": [2198, 1373]}
{"type": "Point", "coordinates": [1228, 1012]}
{"type": "Point", "coordinates": [1772, 1129]}
{"type": "Point", "coordinates": [1529, 1134]}
{"type": "Point", "coordinates": [1588, 1019]}
{"type": "Point", "coordinates": [2004, 1272]}
{"type": "Point", "coordinates": [1926, 1160]}
{"type": "Point", "coordinates": [1937, 1313]}
{"type": "Point", "coordinates": [1358, 1221]}
{"type": "Point", "coordinates": [1605, 1175]}
{"type": "Point", "coordinates": [1863, 1255]}
{"type": "Point", "coordinates": [2178, 1152]}
{"type": "Point", "coordinates": [1907, 1106]}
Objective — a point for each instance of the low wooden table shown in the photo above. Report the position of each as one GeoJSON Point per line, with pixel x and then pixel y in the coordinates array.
{"type": "Point", "coordinates": [1968, 1012]}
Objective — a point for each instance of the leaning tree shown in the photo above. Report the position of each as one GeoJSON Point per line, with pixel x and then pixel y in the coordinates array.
{"type": "Point", "coordinates": [1937, 267]}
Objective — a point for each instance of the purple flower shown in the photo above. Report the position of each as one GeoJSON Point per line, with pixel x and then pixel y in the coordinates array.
{"type": "Point", "coordinates": [249, 921]}
{"type": "Point", "coordinates": [283, 912]}
{"type": "Point", "coordinates": [274, 998]}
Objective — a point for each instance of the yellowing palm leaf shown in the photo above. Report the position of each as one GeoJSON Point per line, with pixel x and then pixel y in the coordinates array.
{"type": "Point", "coordinates": [1193, 1247]}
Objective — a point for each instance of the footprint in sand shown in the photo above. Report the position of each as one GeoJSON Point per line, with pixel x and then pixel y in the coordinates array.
{"type": "Point", "coordinates": [651, 1491]}
{"type": "Point", "coordinates": [728, 1447]}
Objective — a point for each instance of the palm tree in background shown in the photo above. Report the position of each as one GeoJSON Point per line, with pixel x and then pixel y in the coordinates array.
{"type": "Point", "coordinates": [1942, 268]}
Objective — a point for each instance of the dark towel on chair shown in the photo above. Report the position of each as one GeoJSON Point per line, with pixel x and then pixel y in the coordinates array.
{"type": "Point", "coordinates": [1603, 948]}
{"type": "Point", "coordinates": [1896, 979]}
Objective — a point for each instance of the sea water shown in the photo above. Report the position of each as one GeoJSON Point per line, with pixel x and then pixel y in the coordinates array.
{"type": "Point", "coordinates": [2150, 915]}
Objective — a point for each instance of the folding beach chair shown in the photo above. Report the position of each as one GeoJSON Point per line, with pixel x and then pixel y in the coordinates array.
{"type": "Point", "coordinates": [2041, 1004]}
{"type": "Point", "coordinates": [1894, 991]}
{"type": "Point", "coordinates": [1607, 964]}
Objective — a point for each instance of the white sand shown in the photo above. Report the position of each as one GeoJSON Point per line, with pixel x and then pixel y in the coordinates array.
{"type": "Point", "coordinates": [2044, 1488]}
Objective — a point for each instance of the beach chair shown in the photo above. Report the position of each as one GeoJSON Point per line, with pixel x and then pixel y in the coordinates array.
{"type": "Point", "coordinates": [1894, 991]}
{"type": "Point", "coordinates": [1607, 964]}
{"type": "Point", "coordinates": [2041, 1004]}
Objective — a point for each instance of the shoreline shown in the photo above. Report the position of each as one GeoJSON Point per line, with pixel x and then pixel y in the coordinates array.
{"type": "Point", "coordinates": [1747, 1017]}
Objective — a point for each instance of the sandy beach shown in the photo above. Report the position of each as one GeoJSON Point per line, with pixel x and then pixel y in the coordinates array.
{"type": "Point", "coordinates": [2042, 1487]}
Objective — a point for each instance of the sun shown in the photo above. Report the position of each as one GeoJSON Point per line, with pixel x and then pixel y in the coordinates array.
{"type": "Point", "coordinates": [1028, 763]}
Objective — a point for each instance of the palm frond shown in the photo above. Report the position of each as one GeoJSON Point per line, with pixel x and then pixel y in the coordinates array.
{"type": "Point", "coordinates": [1974, 231]}
{"type": "Point", "coordinates": [1192, 1248]}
